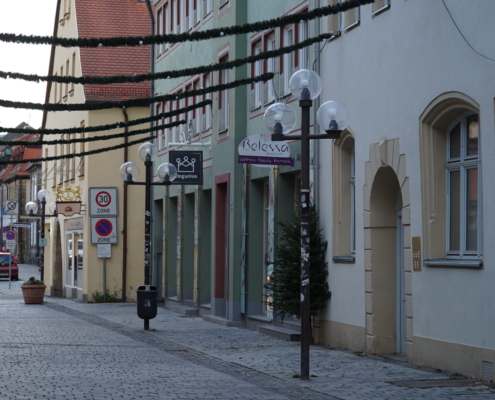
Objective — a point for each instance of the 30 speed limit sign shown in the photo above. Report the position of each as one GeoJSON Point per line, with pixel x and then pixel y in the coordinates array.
{"type": "Point", "coordinates": [103, 202]}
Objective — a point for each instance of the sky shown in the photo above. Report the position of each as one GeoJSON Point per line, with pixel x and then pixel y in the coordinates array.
{"type": "Point", "coordinates": [28, 17]}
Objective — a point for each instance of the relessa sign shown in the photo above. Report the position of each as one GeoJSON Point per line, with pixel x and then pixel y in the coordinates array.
{"type": "Point", "coordinates": [260, 150]}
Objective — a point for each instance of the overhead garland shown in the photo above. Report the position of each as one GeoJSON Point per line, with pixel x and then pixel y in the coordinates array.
{"type": "Point", "coordinates": [107, 127]}
{"type": "Point", "coordinates": [81, 154]}
{"type": "Point", "coordinates": [92, 138]}
{"type": "Point", "coordinates": [135, 102]}
{"type": "Point", "coordinates": [183, 37]}
{"type": "Point", "coordinates": [105, 80]}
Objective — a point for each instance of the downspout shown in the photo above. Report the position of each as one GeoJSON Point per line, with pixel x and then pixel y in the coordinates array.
{"type": "Point", "coordinates": [316, 129]}
{"type": "Point", "coordinates": [124, 239]}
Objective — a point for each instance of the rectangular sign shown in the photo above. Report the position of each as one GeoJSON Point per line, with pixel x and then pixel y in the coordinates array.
{"type": "Point", "coordinates": [43, 242]}
{"type": "Point", "coordinates": [265, 160]}
{"type": "Point", "coordinates": [104, 250]}
{"type": "Point", "coordinates": [103, 201]}
{"type": "Point", "coordinates": [104, 230]}
{"type": "Point", "coordinates": [21, 225]}
{"type": "Point", "coordinates": [10, 246]}
{"type": "Point", "coordinates": [9, 219]}
{"type": "Point", "coordinates": [416, 253]}
{"type": "Point", "coordinates": [189, 166]}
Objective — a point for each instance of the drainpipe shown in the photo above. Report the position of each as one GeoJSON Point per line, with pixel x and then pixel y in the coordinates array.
{"type": "Point", "coordinates": [124, 239]}
{"type": "Point", "coordinates": [316, 129]}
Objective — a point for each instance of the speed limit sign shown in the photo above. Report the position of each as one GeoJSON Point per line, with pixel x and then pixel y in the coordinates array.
{"type": "Point", "coordinates": [103, 201]}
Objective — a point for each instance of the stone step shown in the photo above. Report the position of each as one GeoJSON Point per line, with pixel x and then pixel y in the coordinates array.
{"type": "Point", "coordinates": [224, 321]}
{"type": "Point", "coordinates": [281, 333]}
{"type": "Point", "coordinates": [183, 310]}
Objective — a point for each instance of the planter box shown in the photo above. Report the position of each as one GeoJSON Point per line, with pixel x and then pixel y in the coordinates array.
{"type": "Point", "coordinates": [33, 294]}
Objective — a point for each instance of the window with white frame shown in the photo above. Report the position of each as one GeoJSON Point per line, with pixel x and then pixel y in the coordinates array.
{"type": "Point", "coordinates": [304, 52]}
{"type": "Point", "coordinates": [350, 18]}
{"type": "Point", "coordinates": [196, 125]}
{"type": "Point", "coordinates": [71, 92]}
{"type": "Point", "coordinates": [206, 7]}
{"type": "Point", "coordinates": [288, 64]}
{"type": "Point", "coordinates": [463, 188]}
{"type": "Point", "coordinates": [257, 70]}
{"type": "Point", "coordinates": [167, 26]}
{"type": "Point", "coordinates": [223, 98]}
{"type": "Point", "coordinates": [195, 12]}
{"type": "Point", "coordinates": [159, 29]}
{"type": "Point", "coordinates": [379, 5]}
{"type": "Point", "coordinates": [165, 131]}
{"type": "Point", "coordinates": [221, 3]}
{"type": "Point", "coordinates": [333, 20]}
{"type": "Point", "coordinates": [270, 66]}
{"type": "Point", "coordinates": [352, 184]}
{"type": "Point", "coordinates": [207, 109]}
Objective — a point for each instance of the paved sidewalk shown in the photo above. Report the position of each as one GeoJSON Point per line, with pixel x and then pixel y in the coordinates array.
{"type": "Point", "coordinates": [69, 350]}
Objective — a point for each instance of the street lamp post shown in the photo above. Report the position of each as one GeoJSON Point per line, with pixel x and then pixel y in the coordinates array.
{"type": "Point", "coordinates": [31, 210]}
{"type": "Point", "coordinates": [305, 85]}
{"type": "Point", "coordinates": [129, 172]}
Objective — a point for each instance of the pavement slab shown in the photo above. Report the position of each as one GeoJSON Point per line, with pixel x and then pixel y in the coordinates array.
{"type": "Point", "coordinates": [69, 350]}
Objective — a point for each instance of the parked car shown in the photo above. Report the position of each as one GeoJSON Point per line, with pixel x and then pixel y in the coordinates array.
{"type": "Point", "coordinates": [4, 266]}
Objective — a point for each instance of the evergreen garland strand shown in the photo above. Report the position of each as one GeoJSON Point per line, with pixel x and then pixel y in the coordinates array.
{"type": "Point", "coordinates": [183, 37]}
{"type": "Point", "coordinates": [135, 102]}
{"type": "Point", "coordinates": [92, 138]}
{"type": "Point", "coordinates": [98, 128]}
{"type": "Point", "coordinates": [106, 80]}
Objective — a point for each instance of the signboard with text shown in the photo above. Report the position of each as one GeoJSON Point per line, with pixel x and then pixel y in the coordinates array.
{"type": "Point", "coordinates": [104, 230]}
{"type": "Point", "coordinates": [103, 201]}
{"type": "Point", "coordinates": [261, 151]}
{"type": "Point", "coordinates": [189, 166]}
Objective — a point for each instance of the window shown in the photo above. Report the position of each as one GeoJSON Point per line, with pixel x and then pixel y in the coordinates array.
{"type": "Point", "coordinates": [288, 59]}
{"type": "Point", "coordinates": [54, 178]}
{"type": "Point", "coordinates": [160, 29]}
{"type": "Point", "coordinates": [463, 188]}
{"type": "Point", "coordinates": [350, 18]}
{"type": "Point", "coordinates": [82, 149]}
{"type": "Point", "coordinates": [270, 66]}
{"type": "Point", "coordinates": [197, 121]}
{"type": "Point", "coordinates": [60, 86]}
{"type": "Point", "coordinates": [67, 84]}
{"type": "Point", "coordinates": [73, 73]}
{"type": "Point", "coordinates": [73, 159]}
{"type": "Point", "coordinates": [451, 176]}
{"type": "Point", "coordinates": [207, 109]}
{"type": "Point", "coordinates": [221, 3]}
{"type": "Point", "coordinates": [165, 131]}
{"type": "Point", "coordinates": [167, 25]}
{"type": "Point", "coordinates": [55, 91]}
{"type": "Point", "coordinates": [303, 53]}
{"type": "Point", "coordinates": [195, 12]}
{"type": "Point", "coordinates": [379, 5]}
{"type": "Point", "coordinates": [344, 197]}
{"type": "Point", "coordinates": [333, 20]}
{"type": "Point", "coordinates": [223, 98]}
{"type": "Point", "coordinates": [256, 70]}
{"type": "Point", "coordinates": [206, 7]}
{"type": "Point", "coordinates": [159, 132]}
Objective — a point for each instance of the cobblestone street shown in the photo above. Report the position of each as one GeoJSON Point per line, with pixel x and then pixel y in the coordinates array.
{"type": "Point", "coordinates": [68, 350]}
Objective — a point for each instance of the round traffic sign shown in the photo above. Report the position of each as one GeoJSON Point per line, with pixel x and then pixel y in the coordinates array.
{"type": "Point", "coordinates": [12, 205]}
{"type": "Point", "coordinates": [103, 227]}
{"type": "Point", "coordinates": [103, 199]}
{"type": "Point", "coordinates": [5, 229]}
{"type": "Point", "coordinates": [10, 235]}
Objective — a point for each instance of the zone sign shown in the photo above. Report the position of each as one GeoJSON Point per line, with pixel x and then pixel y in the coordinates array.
{"type": "Point", "coordinates": [103, 201]}
{"type": "Point", "coordinates": [104, 230]}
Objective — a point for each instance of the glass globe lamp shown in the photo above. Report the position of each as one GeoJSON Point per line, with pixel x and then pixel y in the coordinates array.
{"type": "Point", "coordinates": [148, 152]}
{"type": "Point", "coordinates": [43, 195]}
{"type": "Point", "coordinates": [279, 119]}
{"type": "Point", "coordinates": [333, 117]}
{"type": "Point", "coordinates": [31, 208]}
{"type": "Point", "coordinates": [305, 85]}
{"type": "Point", "coordinates": [167, 173]}
{"type": "Point", "coordinates": [129, 171]}
{"type": "Point", "coordinates": [52, 208]}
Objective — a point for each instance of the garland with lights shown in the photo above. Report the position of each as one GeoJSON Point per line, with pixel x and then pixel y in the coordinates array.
{"type": "Point", "coordinates": [107, 127]}
{"type": "Point", "coordinates": [183, 37]}
{"type": "Point", "coordinates": [92, 138]}
{"type": "Point", "coordinates": [82, 154]}
{"type": "Point", "coordinates": [135, 102]}
{"type": "Point", "coordinates": [105, 80]}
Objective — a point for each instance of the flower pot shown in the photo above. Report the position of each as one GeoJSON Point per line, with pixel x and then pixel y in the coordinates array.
{"type": "Point", "coordinates": [33, 294]}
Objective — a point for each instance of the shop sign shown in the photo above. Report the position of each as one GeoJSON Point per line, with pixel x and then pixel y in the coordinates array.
{"type": "Point", "coordinates": [189, 166]}
{"type": "Point", "coordinates": [261, 151]}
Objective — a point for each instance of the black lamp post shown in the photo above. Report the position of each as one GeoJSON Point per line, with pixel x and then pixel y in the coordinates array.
{"type": "Point", "coordinates": [305, 85]}
{"type": "Point", "coordinates": [129, 172]}
{"type": "Point", "coordinates": [31, 211]}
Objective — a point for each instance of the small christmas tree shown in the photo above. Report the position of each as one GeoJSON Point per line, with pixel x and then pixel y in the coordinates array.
{"type": "Point", "coordinates": [283, 289]}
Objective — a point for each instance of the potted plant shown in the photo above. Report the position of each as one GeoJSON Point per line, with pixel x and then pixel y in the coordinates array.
{"type": "Point", "coordinates": [33, 291]}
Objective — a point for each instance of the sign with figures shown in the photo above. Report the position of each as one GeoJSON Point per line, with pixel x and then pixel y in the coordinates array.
{"type": "Point", "coordinates": [103, 202]}
{"type": "Point", "coordinates": [189, 166]}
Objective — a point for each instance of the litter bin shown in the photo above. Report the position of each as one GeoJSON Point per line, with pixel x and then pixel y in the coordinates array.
{"type": "Point", "coordinates": [147, 301]}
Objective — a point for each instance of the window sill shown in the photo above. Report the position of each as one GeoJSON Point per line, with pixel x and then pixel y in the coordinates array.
{"type": "Point", "coordinates": [71, 93]}
{"type": "Point", "coordinates": [454, 263]}
{"type": "Point", "coordinates": [351, 27]}
{"type": "Point", "coordinates": [343, 259]}
{"type": "Point", "coordinates": [379, 11]}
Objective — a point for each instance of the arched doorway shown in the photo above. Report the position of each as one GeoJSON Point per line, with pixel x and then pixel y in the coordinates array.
{"type": "Point", "coordinates": [57, 277]}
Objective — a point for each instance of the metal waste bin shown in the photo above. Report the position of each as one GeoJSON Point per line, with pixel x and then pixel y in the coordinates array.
{"type": "Point", "coordinates": [147, 301]}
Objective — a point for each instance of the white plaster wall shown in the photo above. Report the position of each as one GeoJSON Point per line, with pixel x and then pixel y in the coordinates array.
{"type": "Point", "coordinates": [387, 70]}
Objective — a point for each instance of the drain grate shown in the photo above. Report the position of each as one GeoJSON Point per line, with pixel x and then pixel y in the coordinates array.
{"type": "Point", "coordinates": [437, 383]}
{"type": "Point", "coordinates": [487, 371]}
